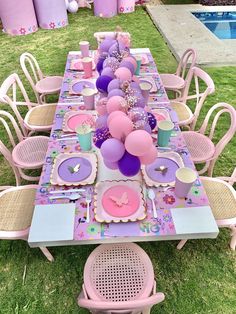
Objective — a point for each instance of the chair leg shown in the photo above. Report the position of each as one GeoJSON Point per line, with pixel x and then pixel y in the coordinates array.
{"type": "Point", "coordinates": [146, 311]}
{"type": "Point", "coordinates": [211, 167]}
{"type": "Point", "coordinates": [47, 253]}
{"type": "Point", "coordinates": [233, 239]}
{"type": "Point", "coordinates": [181, 244]}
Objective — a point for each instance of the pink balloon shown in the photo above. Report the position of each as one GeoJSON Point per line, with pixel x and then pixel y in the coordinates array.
{"type": "Point", "coordinates": [123, 74]}
{"type": "Point", "coordinates": [101, 106]}
{"type": "Point", "coordinates": [120, 127]}
{"type": "Point", "coordinates": [116, 103]}
{"type": "Point", "coordinates": [138, 143]}
{"type": "Point", "coordinates": [115, 114]}
{"type": "Point", "coordinates": [131, 60]}
{"type": "Point", "coordinates": [150, 157]}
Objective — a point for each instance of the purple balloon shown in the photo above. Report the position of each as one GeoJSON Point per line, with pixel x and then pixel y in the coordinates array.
{"type": "Point", "coordinates": [110, 165]}
{"type": "Point", "coordinates": [101, 121]}
{"type": "Point", "coordinates": [108, 71]}
{"type": "Point", "coordinates": [129, 165]}
{"type": "Point", "coordinates": [147, 128]}
{"type": "Point", "coordinates": [114, 84]}
{"type": "Point", "coordinates": [127, 65]}
{"type": "Point", "coordinates": [99, 66]}
{"type": "Point", "coordinates": [152, 120]}
{"type": "Point", "coordinates": [112, 150]}
{"type": "Point", "coordinates": [116, 92]}
{"type": "Point", "coordinates": [106, 44]}
{"type": "Point", "coordinates": [112, 63]}
{"type": "Point", "coordinates": [102, 83]}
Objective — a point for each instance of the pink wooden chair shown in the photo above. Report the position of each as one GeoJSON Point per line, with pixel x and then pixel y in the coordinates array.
{"type": "Point", "coordinates": [177, 81]}
{"type": "Point", "coordinates": [186, 117]}
{"type": "Point", "coordinates": [16, 211]}
{"type": "Point", "coordinates": [119, 278]}
{"type": "Point", "coordinates": [38, 118]}
{"type": "Point", "coordinates": [42, 85]}
{"type": "Point", "coordinates": [222, 198]}
{"type": "Point", "coordinates": [201, 147]}
{"type": "Point", "coordinates": [28, 153]}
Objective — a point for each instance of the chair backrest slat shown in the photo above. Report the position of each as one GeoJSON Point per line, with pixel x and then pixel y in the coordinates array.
{"type": "Point", "coordinates": [199, 76]}
{"type": "Point", "coordinates": [220, 109]}
{"type": "Point", "coordinates": [8, 94]}
{"type": "Point", "coordinates": [30, 64]}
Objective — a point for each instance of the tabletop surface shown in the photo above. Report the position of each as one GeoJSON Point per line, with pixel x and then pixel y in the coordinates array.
{"type": "Point", "coordinates": [62, 222]}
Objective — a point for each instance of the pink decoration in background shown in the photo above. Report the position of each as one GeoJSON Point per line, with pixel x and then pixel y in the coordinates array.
{"type": "Point", "coordinates": [105, 8]}
{"type": "Point", "coordinates": [126, 6]}
{"type": "Point", "coordinates": [51, 14]}
{"type": "Point", "coordinates": [18, 17]}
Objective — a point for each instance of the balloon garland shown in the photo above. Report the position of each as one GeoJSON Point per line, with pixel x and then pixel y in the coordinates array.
{"type": "Point", "coordinates": [123, 127]}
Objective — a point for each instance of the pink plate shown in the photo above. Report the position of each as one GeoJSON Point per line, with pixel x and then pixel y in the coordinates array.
{"type": "Point", "coordinates": [72, 119]}
{"type": "Point", "coordinates": [119, 201]}
{"type": "Point", "coordinates": [145, 59]}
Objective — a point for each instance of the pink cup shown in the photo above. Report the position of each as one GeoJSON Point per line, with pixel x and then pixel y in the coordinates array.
{"type": "Point", "coordinates": [88, 67]}
{"type": "Point", "coordinates": [84, 48]}
{"type": "Point", "coordinates": [145, 87]}
{"type": "Point", "coordinates": [89, 98]}
{"type": "Point", "coordinates": [184, 179]}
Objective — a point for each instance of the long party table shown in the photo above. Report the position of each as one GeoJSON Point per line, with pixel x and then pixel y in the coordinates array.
{"type": "Point", "coordinates": [62, 222]}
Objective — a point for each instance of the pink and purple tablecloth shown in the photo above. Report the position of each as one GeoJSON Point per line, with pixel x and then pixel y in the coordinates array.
{"type": "Point", "coordinates": [165, 200]}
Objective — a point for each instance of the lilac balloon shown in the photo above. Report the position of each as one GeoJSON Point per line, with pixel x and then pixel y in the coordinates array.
{"type": "Point", "coordinates": [106, 44]}
{"type": "Point", "coordinates": [147, 128]}
{"type": "Point", "coordinates": [102, 83]}
{"type": "Point", "coordinates": [152, 120]}
{"type": "Point", "coordinates": [112, 63]}
{"type": "Point", "coordinates": [112, 150]}
{"type": "Point", "coordinates": [138, 114]}
{"type": "Point", "coordinates": [135, 85]}
{"type": "Point", "coordinates": [140, 101]}
{"type": "Point", "coordinates": [110, 165]}
{"type": "Point", "coordinates": [114, 84]}
{"type": "Point", "coordinates": [129, 165]}
{"type": "Point", "coordinates": [108, 71]}
{"type": "Point", "coordinates": [101, 121]}
{"type": "Point", "coordinates": [116, 92]}
{"type": "Point", "coordinates": [128, 65]}
{"type": "Point", "coordinates": [118, 47]}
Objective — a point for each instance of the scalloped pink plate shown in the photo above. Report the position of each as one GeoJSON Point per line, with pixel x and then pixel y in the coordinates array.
{"type": "Point", "coordinates": [145, 59]}
{"type": "Point", "coordinates": [72, 119]}
{"type": "Point", "coordinates": [119, 201]}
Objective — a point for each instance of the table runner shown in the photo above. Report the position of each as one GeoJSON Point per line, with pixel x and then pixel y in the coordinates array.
{"type": "Point", "coordinates": [165, 200]}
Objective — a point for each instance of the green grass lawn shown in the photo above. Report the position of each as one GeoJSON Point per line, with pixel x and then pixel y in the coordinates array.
{"type": "Point", "coordinates": [198, 279]}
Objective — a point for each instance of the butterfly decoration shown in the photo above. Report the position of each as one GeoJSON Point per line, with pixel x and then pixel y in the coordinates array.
{"type": "Point", "coordinates": [123, 200]}
{"type": "Point", "coordinates": [74, 169]}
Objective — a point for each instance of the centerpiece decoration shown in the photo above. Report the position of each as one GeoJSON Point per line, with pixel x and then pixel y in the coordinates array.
{"type": "Point", "coordinates": [123, 128]}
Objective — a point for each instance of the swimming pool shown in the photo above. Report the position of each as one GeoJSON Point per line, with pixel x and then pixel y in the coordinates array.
{"type": "Point", "coordinates": [221, 24]}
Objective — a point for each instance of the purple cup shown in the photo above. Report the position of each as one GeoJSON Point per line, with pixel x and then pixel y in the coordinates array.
{"type": "Point", "coordinates": [89, 98]}
{"type": "Point", "coordinates": [84, 48]}
{"type": "Point", "coordinates": [184, 179]}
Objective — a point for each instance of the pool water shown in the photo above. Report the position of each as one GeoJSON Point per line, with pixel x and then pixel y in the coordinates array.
{"type": "Point", "coordinates": [221, 24]}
